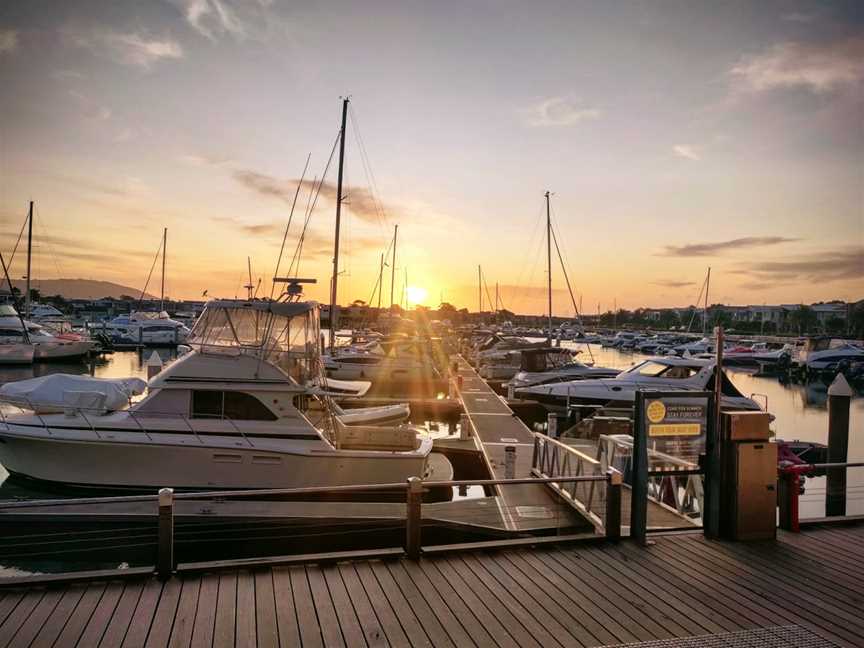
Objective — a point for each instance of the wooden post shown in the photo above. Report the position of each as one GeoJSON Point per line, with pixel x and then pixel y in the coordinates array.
{"type": "Point", "coordinates": [552, 425]}
{"type": "Point", "coordinates": [839, 397]}
{"type": "Point", "coordinates": [612, 523]}
{"type": "Point", "coordinates": [165, 556]}
{"type": "Point", "coordinates": [413, 518]}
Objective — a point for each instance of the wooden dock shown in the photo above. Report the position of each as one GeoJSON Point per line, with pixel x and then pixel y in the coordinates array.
{"type": "Point", "coordinates": [807, 586]}
{"type": "Point", "coordinates": [496, 428]}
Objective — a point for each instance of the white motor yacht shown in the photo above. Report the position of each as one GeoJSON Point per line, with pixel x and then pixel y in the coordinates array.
{"type": "Point", "coordinates": [46, 345]}
{"type": "Point", "coordinates": [231, 413]}
{"type": "Point", "coordinates": [660, 373]}
{"type": "Point", "coordinates": [146, 328]}
{"type": "Point", "coordinates": [826, 353]}
{"type": "Point", "coordinates": [554, 365]}
{"type": "Point", "coordinates": [403, 360]}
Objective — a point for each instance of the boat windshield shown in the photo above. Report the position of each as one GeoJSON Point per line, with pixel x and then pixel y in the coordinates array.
{"type": "Point", "coordinates": [656, 369]}
{"type": "Point", "coordinates": [284, 334]}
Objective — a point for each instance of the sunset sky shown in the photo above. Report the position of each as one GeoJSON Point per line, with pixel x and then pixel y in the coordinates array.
{"type": "Point", "coordinates": [674, 135]}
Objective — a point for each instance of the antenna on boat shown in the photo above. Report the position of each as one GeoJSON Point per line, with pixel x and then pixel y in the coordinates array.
{"type": "Point", "coordinates": [393, 265]}
{"type": "Point", "coordinates": [333, 287]}
{"type": "Point", "coordinates": [15, 299]}
{"type": "Point", "coordinates": [295, 286]}
{"type": "Point", "coordinates": [705, 318]}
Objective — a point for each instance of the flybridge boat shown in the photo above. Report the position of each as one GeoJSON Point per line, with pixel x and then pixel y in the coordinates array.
{"type": "Point", "coordinates": [663, 373]}
{"type": "Point", "coordinates": [236, 412]}
{"type": "Point", "coordinates": [554, 365]}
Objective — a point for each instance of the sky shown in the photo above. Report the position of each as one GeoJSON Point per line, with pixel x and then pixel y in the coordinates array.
{"type": "Point", "coordinates": [673, 136]}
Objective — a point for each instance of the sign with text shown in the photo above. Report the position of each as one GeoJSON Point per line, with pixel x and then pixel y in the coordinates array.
{"type": "Point", "coordinates": [677, 425]}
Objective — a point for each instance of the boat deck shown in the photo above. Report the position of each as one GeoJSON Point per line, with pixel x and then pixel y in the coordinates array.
{"type": "Point", "coordinates": [803, 589]}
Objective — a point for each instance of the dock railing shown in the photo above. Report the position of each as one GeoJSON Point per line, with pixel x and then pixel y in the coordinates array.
{"type": "Point", "coordinates": [166, 561]}
{"type": "Point", "coordinates": [574, 476]}
{"type": "Point", "coordinates": [789, 492]}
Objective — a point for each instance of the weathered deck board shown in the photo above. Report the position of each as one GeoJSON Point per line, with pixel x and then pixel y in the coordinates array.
{"type": "Point", "coordinates": [569, 595]}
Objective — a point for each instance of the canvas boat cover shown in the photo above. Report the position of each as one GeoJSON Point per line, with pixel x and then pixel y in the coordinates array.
{"type": "Point", "coordinates": [57, 392]}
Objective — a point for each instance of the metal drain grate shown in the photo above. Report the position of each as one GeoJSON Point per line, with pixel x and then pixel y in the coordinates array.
{"type": "Point", "coordinates": [777, 637]}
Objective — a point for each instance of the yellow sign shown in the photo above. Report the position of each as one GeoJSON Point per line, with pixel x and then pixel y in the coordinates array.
{"type": "Point", "coordinates": [656, 411]}
{"type": "Point", "coordinates": [674, 429]}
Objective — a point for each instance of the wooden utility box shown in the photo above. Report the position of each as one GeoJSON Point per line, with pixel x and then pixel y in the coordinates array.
{"type": "Point", "coordinates": [748, 493]}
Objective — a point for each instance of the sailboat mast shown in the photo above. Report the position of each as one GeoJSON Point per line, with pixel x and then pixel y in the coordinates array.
{"type": "Point", "coordinates": [29, 257]}
{"type": "Point", "coordinates": [164, 253]}
{"type": "Point", "coordinates": [333, 287]}
{"type": "Point", "coordinates": [380, 282]}
{"type": "Point", "coordinates": [479, 290]}
{"type": "Point", "coordinates": [705, 318]}
{"type": "Point", "coordinates": [393, 265]}
{"type": "Point", "coordinates": [549, 261]}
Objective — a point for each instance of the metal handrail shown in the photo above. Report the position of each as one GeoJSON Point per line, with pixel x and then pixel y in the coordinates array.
{"type": "Point", "coordinates": [310, 490]}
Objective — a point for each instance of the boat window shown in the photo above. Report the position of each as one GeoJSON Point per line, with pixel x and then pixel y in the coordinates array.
{"type": "Point", "coordinates": [240, 406]}
{"type": "Point", "coordinates": [680, 372]}
{"type": "Point", "coordinates": [236, 406]}
{"type": "Point", "coordinates": [207, 404]}
{"type": "Point", "coordinates": [649, 369]}
{"type": "Point", "coordinates": [11, 333]}
{"type": "Point", "coordinates": [360, 361]}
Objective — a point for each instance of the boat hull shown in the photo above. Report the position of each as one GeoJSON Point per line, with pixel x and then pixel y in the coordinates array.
{"type": "Point", "coordinates": [197, 465]}
{"type": "Point", "coordinates": [16, 354]}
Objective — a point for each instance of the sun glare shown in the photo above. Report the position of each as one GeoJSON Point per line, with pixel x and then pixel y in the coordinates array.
{"type": "Point", "coordinates": [416, 295]}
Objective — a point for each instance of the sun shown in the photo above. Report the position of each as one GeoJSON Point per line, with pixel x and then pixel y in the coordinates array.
{"type": "Point", "coordinates": [416, 295]}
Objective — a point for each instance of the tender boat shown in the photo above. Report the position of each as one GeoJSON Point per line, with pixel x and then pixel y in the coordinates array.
{"type": "Point", "coordinates": [660, 373]}
{"type": "Point", "coordinates": [235, 412]}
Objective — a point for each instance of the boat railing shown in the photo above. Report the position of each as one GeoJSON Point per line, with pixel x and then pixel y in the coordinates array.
{"type": "Point", "coordinates": [834, 494]}
{"type": "Point", "coordinates": [411, 522]}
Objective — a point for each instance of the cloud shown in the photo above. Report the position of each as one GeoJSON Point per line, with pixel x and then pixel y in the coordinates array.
{"type": "Point", "coordinates": [8, 40]}
{"type": "Point", "coordinates": [713, 249]}
{"type": "Point", "coordinates": [360, 201]}
{"type": "Point", "coordinates": [818, 68]}
{"type": "Point", "coordinates": [90, 108]}
{"type": "Point", "coordinates": [836, 265]}
{"type": "Point", "coordinates": [205, 160]}
{"type": "Point", "coordinates": [686, 151]}
{"type": "Point", "coordinates": [798, 17]}
{"type": "Point", "coordinates": [133, 49]}
{"type": "Point", "coordinates": [240, 19]}
{"type": "Point", "coordinates": [671, 283]}
{"type": "Point", "coordinates": [559, 111]}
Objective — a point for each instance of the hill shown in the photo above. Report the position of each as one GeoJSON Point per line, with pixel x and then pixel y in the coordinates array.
{"type": "Point", "coordinates": [82, 288]}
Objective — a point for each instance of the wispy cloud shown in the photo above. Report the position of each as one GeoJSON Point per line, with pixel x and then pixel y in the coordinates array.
{"type": "Point", "coordinates": [797, 16]}
{"type": "Point", "coordinates": [8, 40]}
{"type": "Point", "coordinates": [686, 151]}
{"type": "Point", "coordinates": [671, 283]}
{"type": "Point", "coordinates": [133, 49]}
{"type": "Point", "coordinates": [834, 265]}
{"type": "Point", "coordinates": [203, 160]}
{"type": "Point", "coordinates": [240, 19]}
{"type": "Point", "coordinates": [818, 68]}
{"type": "Point", "coordinates": [559, 111]}
{"type": "Point", "coordinates": [89, 107]}
{"type": "Point", "coordinates": [719, 247]}
{"type": "Point", "coordinates": [360, 201]}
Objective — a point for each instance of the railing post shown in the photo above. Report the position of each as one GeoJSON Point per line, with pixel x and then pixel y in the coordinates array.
{"type": "Point", "coordinates": [788, 500]}
{"type": "Point", "coordinates": [413, 518]}
{"type": "Point", "coordinates": [165, 555]}
{"type": "Point", "coordinates": [839, 397]}
{"type": "Point", "coordinates": [612, 523]}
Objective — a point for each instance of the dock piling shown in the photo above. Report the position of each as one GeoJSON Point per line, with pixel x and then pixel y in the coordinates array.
{"type": "Point", "coordinates": [510, 462]}
{"type": "Point", "coordinates": [413, 517]}
{"type": "Point", "coordinates": [165, 557]}
{"type": "Point", "coordinates": [612, 521]}
{"type": "Point", "coordinates": [839, 397]}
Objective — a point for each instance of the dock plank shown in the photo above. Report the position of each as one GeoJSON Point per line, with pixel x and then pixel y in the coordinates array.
{"type": "Point", "coordinates": [575, 595]}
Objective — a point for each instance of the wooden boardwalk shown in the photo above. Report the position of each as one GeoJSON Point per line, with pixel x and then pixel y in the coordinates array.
{"type": "Point", "coordinates": [553, 596]}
